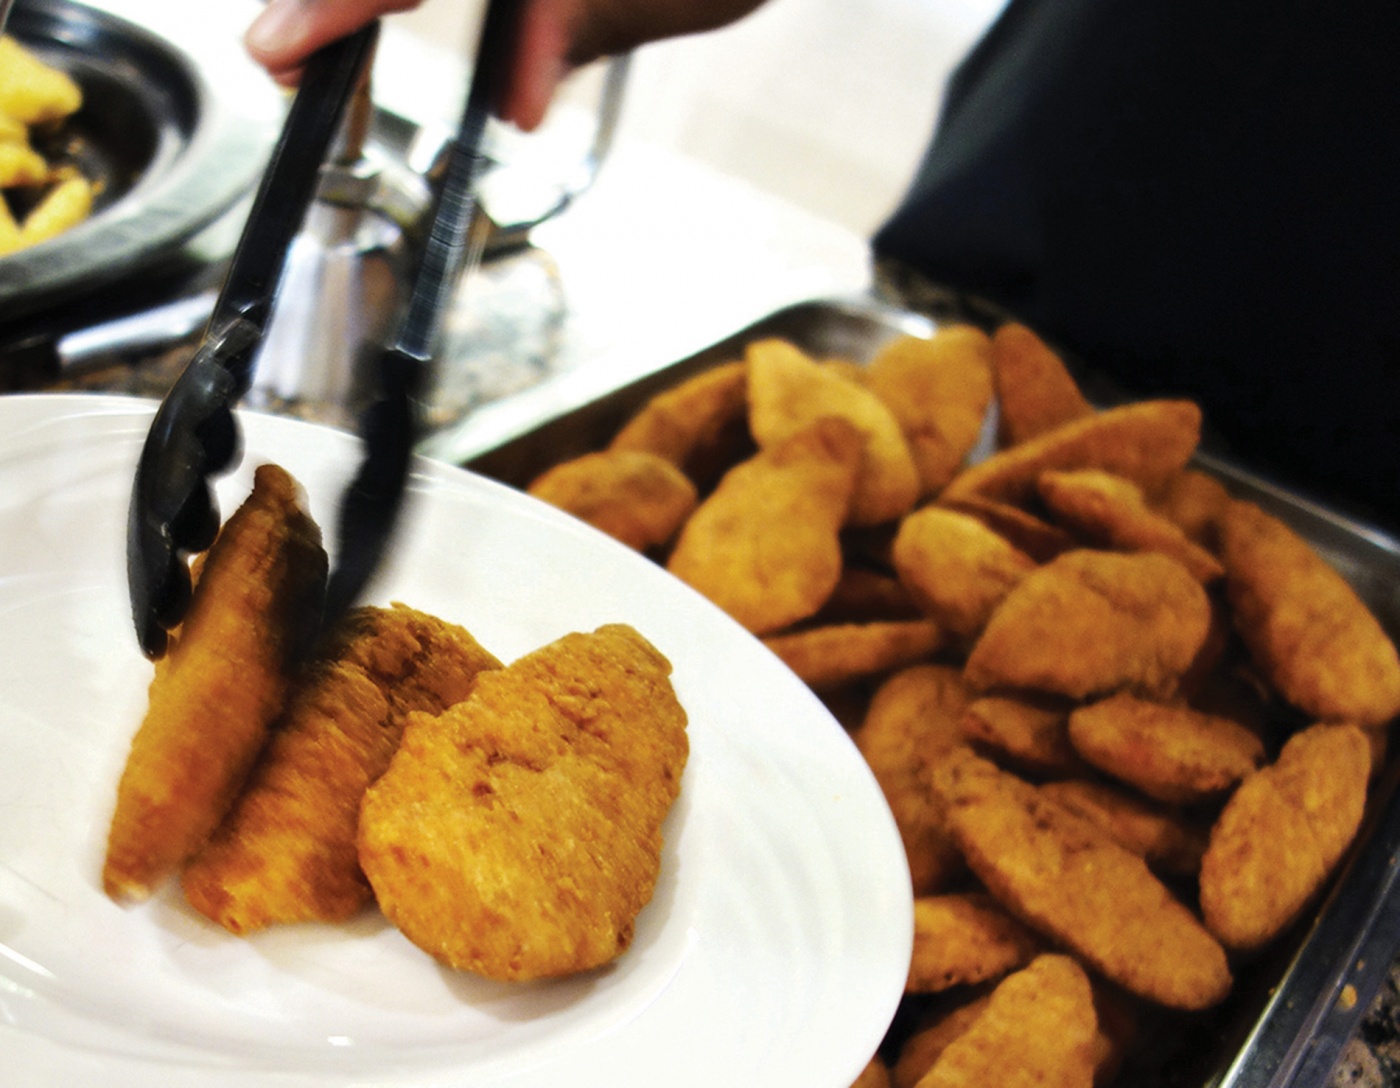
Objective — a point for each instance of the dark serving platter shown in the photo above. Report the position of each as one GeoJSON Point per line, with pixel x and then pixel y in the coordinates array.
{"type": "Point", "coordinates": [1294, 1007]}
{"type": "Point", "coordinates": [175, 127]}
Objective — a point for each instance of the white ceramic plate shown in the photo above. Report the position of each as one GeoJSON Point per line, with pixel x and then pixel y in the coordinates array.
{"type": "Point", "coordinates": [773, 953]}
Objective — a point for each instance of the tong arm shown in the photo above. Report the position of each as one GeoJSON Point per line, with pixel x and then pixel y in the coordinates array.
{"type": "Point", "coordinates": [173, 512]}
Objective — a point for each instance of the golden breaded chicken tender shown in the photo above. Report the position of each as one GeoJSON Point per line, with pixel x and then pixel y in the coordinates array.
{"type": "Point", "coordinates": [911, 723]}
{"type": "Point", "coordinates": [1282, 833]}
{"type": "Point", "coordinates": [1110, 511]}
{"type": "Point", "coordinates": [964, 938]}
{"type": "Point", "coordinates": [222, 683]}
{"type": "Point", "coordinates": [788, 391]}
{"type": "Point", "coordinates": [765, 546]}
{"type": "Point", "coordinates": [867, 596]}
{"type": "Point", "coordinates": [1035, 390]}
{"type": "Point", "coordinates": [828, 656]}
{"type": "Point", "coordinates": [1171, 753]}
{"type": "Point", "coordinates": [1065, 878]}
{"type": "Point", "coordinates": [956, 568]}
{"type": "Point", "coordinates": [931, 1037]}
{"type": "Point", "coordinates": [276, 857]}
{"type": "Point", "coordinates": [287, 850]}
{"type": "Point", "coordinates": [939, 389]}
{"type": "Point", "coordinates": [1159, 834]}
{"type": "Point", "coordinates": [1040, 539]}
{"type": "Point", "coordinates": [700, 425]}
{"type": "Point", "coordinates": [1028, 732]}
{"type": "Point", "coordinates": [1195, 501]}
{"type": "Point", "coordinates": [636, 497]}
{"type": "Point", "coordinates": [1091, 622]}
{"type": "Point", "coordinates": [1148, 442]}
{"type": "Point", "coordinates": [1307, 630]}
{"type": "Point", "coordinates": [1117, 1029]}
{"type": "Point", "coordinates": [1039, 1030]}
{"type": "Point", "coordinates": [518, 834]}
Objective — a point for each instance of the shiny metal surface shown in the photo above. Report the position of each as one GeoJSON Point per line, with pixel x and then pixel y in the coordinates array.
{"type": "Point", "coordinates": [176, 126]}
{"type": "Point", "coordinates": [534, 430]}
{"type": "Point", "coordinates": [339, 291]}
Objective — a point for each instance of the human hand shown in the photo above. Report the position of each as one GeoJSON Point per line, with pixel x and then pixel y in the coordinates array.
{"type": "Point", "coordinates": [555, 36]}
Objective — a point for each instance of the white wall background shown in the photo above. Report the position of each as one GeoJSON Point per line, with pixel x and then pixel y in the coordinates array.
{"type": "Point", "coordinates": [826, 103]}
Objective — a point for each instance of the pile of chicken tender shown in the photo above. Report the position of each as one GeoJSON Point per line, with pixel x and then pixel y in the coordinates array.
{"type": "Point", "coordinates": [506, 817]}
{"type": "Point", "coordinates": [1125, 721]}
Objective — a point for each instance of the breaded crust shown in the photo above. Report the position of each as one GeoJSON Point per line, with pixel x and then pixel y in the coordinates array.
{"type": "Point", "coordinates": [700, 425]}
{"type": "Point", "coordinates": [956, 568]}
{"type": "Point", "coordinates": [1282, 834]}
{"type": "Point", "coordinates": [1162, 836]}
{"type": "Point", "coordinates": [287, 851]}
{"type": "Point", "coordinates": [1307, 630]}
{"type": "Point", "coordinates": [910, 725]}
{"type": "Point", "coordinates": [1148, 442]}
{"type": "Point", "coordinates": [1035, 390]}
{"type": "Point", "coordinates": [1195, 501]}
{"type": "Point", "coordinates": [1040, 539]}
{"type": "Point", "coordinates": [828, 656]}
{"type": "Point", "coordinates": [1029, 733]}
{"type": "Point", "coordinates": [636, 497]}
{"type": "Point", "coordinates": [518, 834]}
{"type": "Point", "coordinates": [1068, 880]}
{"type": "Point", "coordinates": [930, 1039]}
{"type": "Point", "coordinates": [1038, 1031]}
{"type": "Point", "coordinates": [1171, 753]}
{"type": "Point", "coordinates": [765, 545]}
{"type": "Point", "coordinates": [939, 389]}
{"type": "Point", "coordinates": [222, 682]}
{"type": "Point", "coordinates": [788, 391]}
{"type": "Point", "coordinates": [1091, 622]}
{"type": "Point", "coordinates": [1109, 510]}
{"type": "Point", "coordinates": [965, 938]}
{"type": "Point", "coordinates": [867, 596]}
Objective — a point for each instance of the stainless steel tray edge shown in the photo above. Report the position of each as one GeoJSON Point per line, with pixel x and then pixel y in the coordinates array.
{"type": "Point", "coordinates": [561, 415]}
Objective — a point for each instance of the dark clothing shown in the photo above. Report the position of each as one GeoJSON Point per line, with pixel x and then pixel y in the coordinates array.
{"type": "Point", "coordinates": [1200, 198]}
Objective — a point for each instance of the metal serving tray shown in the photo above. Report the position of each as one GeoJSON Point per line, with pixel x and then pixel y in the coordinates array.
{"type": "Point", "coordinates": [1294, 1008]}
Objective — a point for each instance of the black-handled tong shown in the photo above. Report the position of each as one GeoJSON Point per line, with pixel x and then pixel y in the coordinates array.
{"type": "Point", "coordinates": [194, 436]}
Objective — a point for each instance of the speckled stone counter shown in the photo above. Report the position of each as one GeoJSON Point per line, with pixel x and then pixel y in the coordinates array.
{"type": "Point", "coordinates": [1372, 1058]}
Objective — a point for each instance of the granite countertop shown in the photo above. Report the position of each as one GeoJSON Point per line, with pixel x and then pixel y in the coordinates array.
{"type": "Point", "coordinates": [1371, 1059]}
